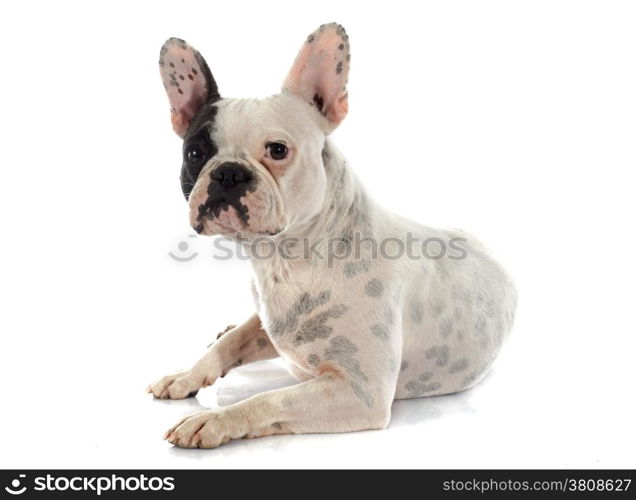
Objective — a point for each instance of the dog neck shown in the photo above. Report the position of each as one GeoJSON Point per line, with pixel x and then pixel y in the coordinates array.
{"type": "Point", "coordinates": [345, 206]}
{"type": "Point", "coordinates": [345, 211]}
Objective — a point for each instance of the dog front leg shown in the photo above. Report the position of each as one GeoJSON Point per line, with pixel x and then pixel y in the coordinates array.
{"type": "Point", "coordinates": [328, 403]}
{"type": "Point", "coordinates": [240, 345]}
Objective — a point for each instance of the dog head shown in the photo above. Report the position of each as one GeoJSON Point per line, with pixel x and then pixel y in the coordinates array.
{"type": "Point", "coordinates": [254, 167]}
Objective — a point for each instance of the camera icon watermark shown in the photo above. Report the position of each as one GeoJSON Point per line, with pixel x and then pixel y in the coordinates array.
{"type": "Point", "coordinates": [183, 255]}
{"type": "Point", "coordinates": [14, 488]}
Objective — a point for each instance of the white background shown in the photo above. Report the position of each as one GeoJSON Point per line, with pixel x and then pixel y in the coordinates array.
{"type": "Point", "coordinates": [513, 120]}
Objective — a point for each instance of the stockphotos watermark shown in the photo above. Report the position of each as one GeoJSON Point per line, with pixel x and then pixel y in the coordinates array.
{"type": "Point", "coordinates": [331, 249]}
{"type": "Point", "coordinates": [95, 484]}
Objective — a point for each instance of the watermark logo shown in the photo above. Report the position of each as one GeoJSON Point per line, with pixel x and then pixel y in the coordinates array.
{"type": "Point", "coordinates": [331, 249]}
{"type": "Point", "coordinates": [15, 489]}
{"type": "Point", "coordinates": [184, 255]}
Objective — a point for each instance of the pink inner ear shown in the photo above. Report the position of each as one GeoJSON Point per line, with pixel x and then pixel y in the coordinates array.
{"type": "Point", "coordinates": [320, 71]}
{"type": "Point", "coordinates": [184, 81]}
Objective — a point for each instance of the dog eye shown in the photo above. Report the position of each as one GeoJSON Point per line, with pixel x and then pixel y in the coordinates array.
{"type": "Point", "coordinates": [277, 150]}
{"type": "Point", "coordinates": [195, 154]}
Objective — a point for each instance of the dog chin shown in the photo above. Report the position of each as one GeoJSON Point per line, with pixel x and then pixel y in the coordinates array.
{"type": "Point", "coordinates": [229, 224]}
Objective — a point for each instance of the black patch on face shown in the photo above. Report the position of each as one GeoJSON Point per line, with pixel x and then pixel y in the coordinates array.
{"type": "Point", "coordinates": [198, 135]}
{"type": "Point", "coordinates": [318, 101]}
{"type": "Point", "coordinates": [201, 125]}
{"type": "Point", "coordinates": [223, 195]}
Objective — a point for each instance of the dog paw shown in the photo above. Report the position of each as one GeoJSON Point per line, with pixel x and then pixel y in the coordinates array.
{"type": "Point", "coordinates": [178, 386]}
{"type": "Point", "coordinates": [206, 429]}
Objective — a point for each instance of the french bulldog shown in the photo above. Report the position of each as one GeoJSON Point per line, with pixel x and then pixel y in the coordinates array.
{"type": "Point", "coordinates": [358, 321]}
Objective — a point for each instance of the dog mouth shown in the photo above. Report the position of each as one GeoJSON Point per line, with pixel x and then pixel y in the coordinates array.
{"type": "Point", "coordinates": [229, 222]}
{"type": "Point", "coordinates": [231, 204]}
{"type": "Point", "coordinates": [225, 219]}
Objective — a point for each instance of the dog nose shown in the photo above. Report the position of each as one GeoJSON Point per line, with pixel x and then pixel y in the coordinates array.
{"type": "Point", "coordinates": [230, 174]}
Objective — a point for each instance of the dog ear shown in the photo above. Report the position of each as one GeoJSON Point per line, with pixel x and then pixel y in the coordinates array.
{"type": "Point", "coordinates": [320, 71]}
{"type": "Point", "coordinates": [187, 80]}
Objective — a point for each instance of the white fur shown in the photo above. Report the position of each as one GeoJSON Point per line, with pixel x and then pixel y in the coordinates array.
{"type": "Point", "coordinates": [357, 332]}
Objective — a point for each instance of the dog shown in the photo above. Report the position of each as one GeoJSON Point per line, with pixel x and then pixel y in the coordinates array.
{"type": "Point", "coordinates": [357, 331]}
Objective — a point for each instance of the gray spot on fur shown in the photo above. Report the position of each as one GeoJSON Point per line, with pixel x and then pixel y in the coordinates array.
{"type": "Point", "coordinates": [404, 365]}
{"type": "Point", "coordinates": [380, 331]}
{"type": "Point", "coordinates": [439, 353]}
{"type": "Point", "coordinates": [342, 350]}
{"type": "Point", "coordinates": [262, 343]}
{"type": "Point", "coordinates": [471, 377]}
{"type": "Point", "coordinates": [362, 394]}
{"type": "Point", "coordinates": [304, 305]}
{"type": "Point", "coordinates": [425, 377]}
{"type": "Point", "coordinates": [416, 310]}
{"type": "Point", "coordinates": [358, 215]}
{"type": "Point", "coordinates": [313, 359]}
{"type": "Point", "coordinates": [316, 327]}
{"type": "Point", "coordinates": [374, 288]}
{"type": "Point", "coordinates": [418, 389]}
{"type": "Point", "coordinates": [458, 366]}
{"type": "Point", "coordinates": [340, 347]}
{"type": "Point", "coordinates": [343, 242]}
{"type": "Point", "coordinates": [352, 269]}
{"type": "Point", "coordinates": [277, 426]}
{"type": "Point", "coordinates": [446, 328]}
